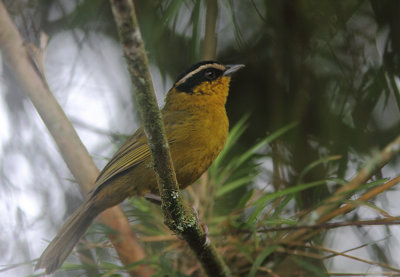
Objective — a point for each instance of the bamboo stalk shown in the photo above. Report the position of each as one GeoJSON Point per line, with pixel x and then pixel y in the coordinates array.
{"type": "Point", "coordinates": [210, 36]}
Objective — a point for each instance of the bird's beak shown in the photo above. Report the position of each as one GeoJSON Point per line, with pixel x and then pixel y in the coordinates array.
{"type": "Point", "coordinates": [230, 69]}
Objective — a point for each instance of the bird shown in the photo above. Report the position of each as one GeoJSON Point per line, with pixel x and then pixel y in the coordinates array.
{"type": "Point", "coordinates": [196, 126]}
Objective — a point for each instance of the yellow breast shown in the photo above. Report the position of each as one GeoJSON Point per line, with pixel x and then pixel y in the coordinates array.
{"type": "Point", "coordinates": [198, 125]}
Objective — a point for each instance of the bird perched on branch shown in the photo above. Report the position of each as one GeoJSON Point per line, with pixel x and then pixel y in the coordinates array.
{"type": "Point", "coordinates": [196, 126]}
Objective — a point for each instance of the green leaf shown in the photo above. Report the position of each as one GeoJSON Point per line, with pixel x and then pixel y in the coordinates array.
{"type": "Point", "coordinates": [98, 227]}
{"type": "Point", "coordinates": [134, 265]}
{"type": "Point", "coordinates": [172, 10]}
{"type": "Point", "coordinates": [282, 205]}
{"type": "Point", "coordinates": [71, 266]}
{"type": "Point", "coordinates": [234, 134]}
{"type": "Point", "coordinates": [298, 188]}
{"type": "Point", "coordinates": [316, 163]}
{"type": "Point", "coordinates": [233, 185]}
{"type": "Point", "coordinates": [245, 198]}
{"type": "Point", "coordinates": [260, 258]}
{"type": "Point", "coordinates": [260, 204]}
{"type": "Point", "coordinates": [139, 205]}
{"type": "Point", "coordinates": [369, 205]}
{"type": "Point", "coordinates": [366, 186]}
{"type": "Point", "coordinates": [245, 156]}
{"type": "Point", "coordinates": [279, 221]}
{"type": "Point", "coordinates": [310, 267]}
{"type": "Point", "coordinates": [245, 249]}
{"type": "Point", "coordinates": [339, 181]}
{"type": "Point", "coordinates": [237, 162]}
{"type": "Point", "coordinates": [396, 91]}
{"type": "Point", "coordinates": [110, 266]}
{"type": "Point", "coordinates": [254, 214]}
{"type": "Point", "coordinates": [238, 34]}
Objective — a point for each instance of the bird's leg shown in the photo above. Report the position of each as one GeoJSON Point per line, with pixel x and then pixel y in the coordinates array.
{"type": "Point", "coordinates": [203, 226]}
{"type": "Point", "coordinates": [156, 199]}
{"type": "Point", "coordinates": [153, 198]}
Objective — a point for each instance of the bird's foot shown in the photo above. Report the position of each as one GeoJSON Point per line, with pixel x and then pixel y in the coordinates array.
{"type": "Point", "coordinates": [203, 226]}
{"type": "Point", "coordinates": [153, 198]}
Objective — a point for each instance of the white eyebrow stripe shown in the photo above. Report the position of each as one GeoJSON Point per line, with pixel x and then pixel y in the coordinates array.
{"type": "Point", "coordinates": [204, 66]}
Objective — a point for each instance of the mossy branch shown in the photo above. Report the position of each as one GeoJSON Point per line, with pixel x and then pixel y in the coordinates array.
{"type": "Point", "coordinates": [178, 216]}
{"type": "Point", "coordinates": [75, 155]}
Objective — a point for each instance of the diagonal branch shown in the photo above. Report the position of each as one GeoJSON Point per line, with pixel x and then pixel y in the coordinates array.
{"type": "Point", "coordinates": [375, 163]}
{"type": "Point", "coordinates": [70, 146]}
{"type": "Point", "coordinates": [178, 216]}
{"type": "Point", "coordinates": [323, 226]}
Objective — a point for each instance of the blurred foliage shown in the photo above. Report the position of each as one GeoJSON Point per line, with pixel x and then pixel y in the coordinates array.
{"type": "Point", "coordinates": [320, 89]}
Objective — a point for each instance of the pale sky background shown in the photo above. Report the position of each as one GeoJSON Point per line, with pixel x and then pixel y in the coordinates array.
{"type": "Point", "coordinates": [92, 86]}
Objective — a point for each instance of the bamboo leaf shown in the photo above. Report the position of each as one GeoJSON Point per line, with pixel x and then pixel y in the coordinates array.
{"type": "Point", "coordinates": [279, 221]}
{"type": "Point", "coordinates": [233, 185]}
{"type": "Point", "coordinates": [245, 156]}
{"type": "Point", "coordinates": [239, 161]}
{"type": "Point", "coordinates": [316, 163]}
{"type": "Point", "coordinates": [309, 267]}
{"type": "Point", "coordinates": [260, 204]}
{"type": "Point", "coordinates": [260, 258]}
{"type": "Point", "coordinates": [282, 205]}
{"type": "Point", "coordinates": [243, 201]}
{"type": "Point", "coordinates": [298, 188]}
{"type": "Point", "coordinates": [172, 10]}
{"type": "Point", "coordinates": [234, 134]}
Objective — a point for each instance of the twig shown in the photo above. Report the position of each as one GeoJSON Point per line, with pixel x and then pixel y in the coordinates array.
{"type": "Point", "coordinates": [343, 210]}
{"type": "Point", "coordinates": [365, 197]}
{"type": "Point", "coordinates": [330, 210]}
{"type": "Point", "coordinates": [363, 274]}
{"type": "Point", "coordinates": [337, 253]}
{"type": "Point", "coordinates": [178, 216]}
{"type": "Point", "coordinates": [375, 163]}
{"type": "Point", "coordinates": [74, 153]}
{"type": "Point", "coordinates": [323, 226]}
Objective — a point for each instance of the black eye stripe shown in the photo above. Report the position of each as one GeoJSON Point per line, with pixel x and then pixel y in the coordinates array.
{"type": "Point", "coordinates": [210, 74]}
{"type": "Point", "coordinates": [196, 66]}
{"type": "Point", "coordinates": [198, 78]}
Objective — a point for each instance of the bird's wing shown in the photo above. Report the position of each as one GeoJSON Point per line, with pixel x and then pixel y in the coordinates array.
{"type": "Point", "coordinates": [134, 151]}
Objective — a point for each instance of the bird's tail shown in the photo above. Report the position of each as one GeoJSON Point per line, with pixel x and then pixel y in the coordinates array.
{"type": "Point", "coordinates": [66, 238]}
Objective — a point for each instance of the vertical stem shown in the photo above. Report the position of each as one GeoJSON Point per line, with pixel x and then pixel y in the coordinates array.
{"type": "Point", "coordinates": [178, 216]}
{"type": "Point", "coordinates": [210, 36]}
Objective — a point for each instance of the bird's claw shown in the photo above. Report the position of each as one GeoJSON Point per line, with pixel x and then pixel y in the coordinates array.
{"type": "Point", "coordinates": [153, 198]}
{"type": "Point", "coordinates": [204, 227]}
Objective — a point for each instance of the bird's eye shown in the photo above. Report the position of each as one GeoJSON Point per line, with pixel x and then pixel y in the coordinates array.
{"type": "Point", "coordinates": [210, 74]}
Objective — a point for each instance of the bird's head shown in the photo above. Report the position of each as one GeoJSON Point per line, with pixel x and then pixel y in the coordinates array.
{"type": "Point", "coordinates": [207, 78]}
